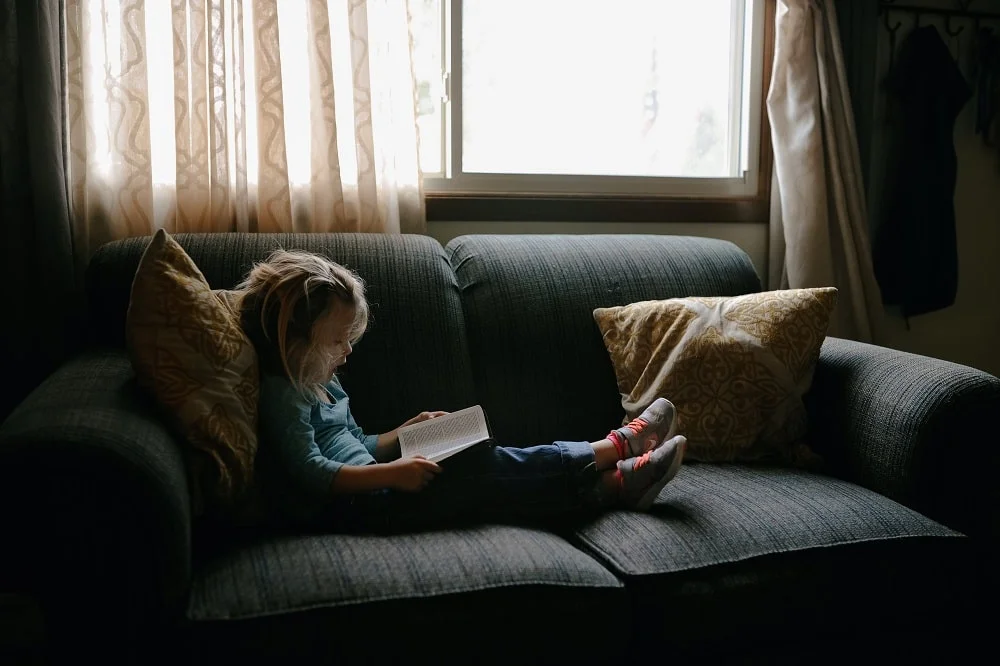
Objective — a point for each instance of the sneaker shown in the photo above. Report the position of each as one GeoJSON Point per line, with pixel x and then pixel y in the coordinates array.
{"type": "Point", "coordinates": [647, 431]}
{"type": "Point", "coordinates": [642, 478]}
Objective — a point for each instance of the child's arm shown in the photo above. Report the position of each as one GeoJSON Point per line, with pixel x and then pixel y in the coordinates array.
{"type": "Point", "coordinates": [284, 421]}
{"type": "Point", "coordinates": [411, 474]}
{"type": "Point", "coordinates": [388, 446]}
{"type": "Point", "coordinates": [388, 442]}
{"type": "Point", "coordinates": [384, 447]}
{"type": "Point", "coordinates": [285, 424]}
{"type": "Point", "coordinates": [370, 442]}
{"type": "Point", "coordinates": [310, 469]}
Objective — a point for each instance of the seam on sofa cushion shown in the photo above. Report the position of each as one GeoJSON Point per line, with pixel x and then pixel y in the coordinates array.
{"type": "Point", "coordinates": [396, 597]}
{"type": "Point", "coordinates": [620, 570]}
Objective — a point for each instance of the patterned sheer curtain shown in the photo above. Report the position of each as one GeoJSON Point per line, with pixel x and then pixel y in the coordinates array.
{"type": "Point", "coordinates": [240, 115]}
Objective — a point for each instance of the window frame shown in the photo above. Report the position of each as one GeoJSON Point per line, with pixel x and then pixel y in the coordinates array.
{"type": "Point", "coordinates": [478, 197]}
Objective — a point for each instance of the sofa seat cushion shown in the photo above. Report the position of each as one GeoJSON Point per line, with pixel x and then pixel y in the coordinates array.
{"type": "Point", "coordinates": [333, 594]}
{"type": "Point", "coordinates": [772, 553]}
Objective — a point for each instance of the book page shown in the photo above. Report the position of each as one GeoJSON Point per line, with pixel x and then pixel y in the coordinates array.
{"type": "Point", "coordinates": [444, 436]}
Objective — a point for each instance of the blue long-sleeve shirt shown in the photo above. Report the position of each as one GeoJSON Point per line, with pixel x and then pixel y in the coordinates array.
{"type": "Point", "coordinates": [308, 441]}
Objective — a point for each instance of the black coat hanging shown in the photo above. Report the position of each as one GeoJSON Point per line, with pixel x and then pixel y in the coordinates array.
{"type": "Point", "coordinates": [915, 251]}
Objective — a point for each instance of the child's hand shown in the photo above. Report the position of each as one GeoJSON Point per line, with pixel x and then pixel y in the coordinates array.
{"type": "Point", "coordinates": [423, 416]}
{"type": "Point", "coordinates": [412, 474]}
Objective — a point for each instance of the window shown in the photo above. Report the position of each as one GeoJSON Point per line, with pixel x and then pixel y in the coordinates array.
{"type": "Point", "coordinates": [615, 97]}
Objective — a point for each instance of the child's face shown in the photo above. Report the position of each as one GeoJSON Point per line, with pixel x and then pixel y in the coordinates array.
{"type": "Point", "coordinates": [331, 335]}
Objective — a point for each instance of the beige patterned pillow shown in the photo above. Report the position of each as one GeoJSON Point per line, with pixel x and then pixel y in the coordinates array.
{"type": "Point", "coordinates": [189, 351]}
{"type": "Point", "coordinates": [736, 368]}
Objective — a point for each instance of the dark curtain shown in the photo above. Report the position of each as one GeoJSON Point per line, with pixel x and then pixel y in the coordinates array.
{"type": "Point", "coordinates": [38, 294]}
{"type": "Point", "coordinates": [858, 21]}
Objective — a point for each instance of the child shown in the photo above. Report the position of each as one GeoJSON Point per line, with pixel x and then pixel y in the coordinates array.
{"type": "Point", "coordinates": [304, 313]}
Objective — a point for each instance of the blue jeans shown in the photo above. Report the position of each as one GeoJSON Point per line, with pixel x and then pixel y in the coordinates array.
{"type": "Point", "coordinates": [485, 483]}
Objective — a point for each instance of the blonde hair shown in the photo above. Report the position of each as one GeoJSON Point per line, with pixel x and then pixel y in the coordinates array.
{"type": "Point", "coordinates": [282, 299]}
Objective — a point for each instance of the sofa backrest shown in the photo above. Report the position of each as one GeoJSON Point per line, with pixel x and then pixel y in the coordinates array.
{"type": "Point", "coordinates": [414, 356]}
{"type": "Point", "coordinates": [540, 366]}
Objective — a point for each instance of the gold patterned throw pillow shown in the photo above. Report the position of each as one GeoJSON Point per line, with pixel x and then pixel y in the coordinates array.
{"type": "Point", "coordinates": [189, 351]}
{"type": "Point", "coordinates": [735, 368]}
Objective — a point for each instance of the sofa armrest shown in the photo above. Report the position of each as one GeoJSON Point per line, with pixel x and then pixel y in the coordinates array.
{"type": "Point", "coordinates": [919, 430]}
{"type": "Point", "coordinates": [94, 493]}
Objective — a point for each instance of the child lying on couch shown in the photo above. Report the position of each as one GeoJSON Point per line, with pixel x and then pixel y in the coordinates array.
{"type": "Point", "coordinates": [304, 313]}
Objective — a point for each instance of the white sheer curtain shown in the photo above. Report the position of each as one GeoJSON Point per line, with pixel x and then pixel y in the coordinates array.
{"type": "Point", "coordinates": [259, 115]}
{"type": "Point", "coordinates": [819, 223]}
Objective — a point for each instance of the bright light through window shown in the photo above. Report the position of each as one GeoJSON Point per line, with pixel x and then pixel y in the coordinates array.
{"type": "Point", "coordinates": [545, 96]}
{"type": "Point", "coordinates": [638, 88]}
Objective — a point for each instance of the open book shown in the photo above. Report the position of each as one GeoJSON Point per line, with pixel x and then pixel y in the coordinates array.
{"type": "Point", "coordinates": [444, 436]}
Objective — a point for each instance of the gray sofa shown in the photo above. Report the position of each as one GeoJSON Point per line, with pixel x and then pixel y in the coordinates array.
{"type": "Point", "coordinates": [885, 553]}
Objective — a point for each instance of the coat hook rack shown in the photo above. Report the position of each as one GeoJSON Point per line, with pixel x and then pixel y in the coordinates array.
{"type": "Point", "coordinates": [891, 28]}
{"type": "Point", "coordinates": [962, 9]}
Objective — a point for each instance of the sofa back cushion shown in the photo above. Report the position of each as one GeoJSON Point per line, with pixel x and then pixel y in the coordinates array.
{"type": "Point", "coordinates": [414, 356]}
{"type": "Point", "coordinates": [541, 369]}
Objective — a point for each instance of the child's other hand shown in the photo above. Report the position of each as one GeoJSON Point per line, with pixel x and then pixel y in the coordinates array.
{"type": "Point", "coordinates": [423, 416]}
{"type": "Point", "coordinates": [412, 474]}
